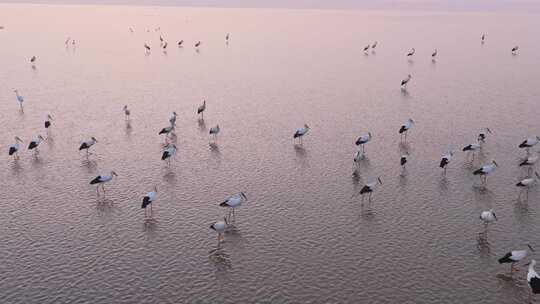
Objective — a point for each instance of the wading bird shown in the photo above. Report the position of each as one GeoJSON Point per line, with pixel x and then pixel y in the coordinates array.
{"type": "Point", "coordinates": [220, 227]}
{"type": "Point", "coordinates": [165, 46]}
{"type": "Point", "coordinates": [373, 46]}
{"type": "Point", "coordinates": [405, 81]}
{"type": "Point", "coordinates": [167, 130]}
{"type": "Point", "coordinates": [48, 121]}
{"type": "Point", "coordinates": [472, 149]}
{"type": "Point", "coordinates": [148, 199]}
{"type": "Point", "coordinates": [34, 143]}
{"type": "Point", "coordinates": [301, 132]}
{"type": "Point", "coordinates": [168, 153]}
{"type": "Point", "coordinates": [214, 131]}
{"type": "Point", "coordinates": [101, 179]}
{"type": "Point", "coordinates": [529, 162]}
{"type": "Point", "coordinates": [33, 59]}
{"type": "Point", "coordinates": [147, 48]}
{"type": "Point", "coordinates": [13, 149]}
{"type": "Point", "coordinates": [434, 54]}
{"type": "Point", "coordinates": [528, 143]}
{"type": "Point", "coordinates": [488, 217]}
{"type": "Point", "coordinates": [526, 184]}
{"type": "Point", "coordinates": [366, 48]}
{"type": "Point", "coordinates": [87, 144]}
{"type": "Point", "coordinates": [201, 109]}
{"type": "Point", "coordinates": [127, 112]}
{"type": "Point", "coordinates": [180, 43]}
{"type": "Point", "coordinates": [515, 49]}
{"type": "Point", "coordinates": [172, 119]}
{"type": "Point", "coordinates": [362, 140]}
{"type": "Point", "coordinates": [533, 279]}
{"type": "Point", "coordinates": [445, 160]}
{"type": "Point", "coordinates": [483, 38]}
{"type": "Point", "coordinates": [197, 44]}
{"type": "Point", "coordinates": [227, 38]}
{"type": "Point", "coordinates": [232, 203]}
{"type": "Point", "coordinates": [369, 188]}
{"type": "Point", "coordinates": [404, 129]}
{"type": "Point", "coordinates": [482, 135]}
{"type": "Point", "coordinates": [484, 171]}
{"type": "Point", "coordinates": [515, 256]}
{"type": "Point", "coordinates": [20, 99]}
{"type": "Point", "coordinates": [411, 53]}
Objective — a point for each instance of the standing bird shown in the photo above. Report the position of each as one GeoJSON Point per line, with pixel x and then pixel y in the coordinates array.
{"type": "Point", "coordinates": [301, 132]}
{"type": "Point", "coordinates": [515, 256]}
{"type": "Point", "coordinates": [34, 143]}
{"type": "Point", "coordinates": [434, 54]}
{"type": "Point", "coordinates": [101, 179]}
{"type": "Point", "coordinates": [197, 44]}
{"type": "Point", "coordinates": [232, 203]}
{"type": "Point", "coordinates": [483, 38]}
{"type": "Point", "coordinates": [161, 40]}
{"type": "Point", "coordinates": [33, 59]}
{"type": "Point", "coordinates": [366, 48]}
{"type": "Point", "coordinates": [484, 171]}
{"type": "Point", "coordinates": [529, 162]}
{"type": "Point", "coordinates": [405, 81]}
{"type": "Point", "coordinates": [147, 48]}
{"type": "Point", "coordinates": [214, 131]}
{"type": "Point", "coordinates": [48, 122]}
{"type": "Point", "coordinates": [148, 199]}
{"type": "Point", "coordinates": [180, 43]}
{"type": "Point", "coordinates": [87, 144]}
{"type": "Point", "coordinates": [172, 119]}
{"type": "Point", "coordinates": [403, 160]}
{"type": "Point", "coordinates": [220, 227]}
{"type": "Point", "coordinates": [483, 135]}
{"type": "Point", "coordinates": [527, 183]}
{"type": "Point", "coordinates": [168, 153]}
{"type": "Point", "coordinates": [533, 279]}
{"type": "Point", "coordinates": [471, 149]}
{"type": "Point", "coordinates": [369, 188]}
{"type": "Point", "coordinates": [362, 140]}
{"type": "Point", "coordinates": [358, 156]}
{"type": "Point", "coordinates": [373, 46]}
{"type": "Point", "coordinates": [404, 129]}
{"type": "Point", "coordinates": [13, 149]}
{"type": "Point", "coordinates": [165, 46]}
{"type": "Point", "coordinates": [411, 53]}
{"type": "Point", "coordinates": [201, 109]}
{"type": "Point", "coordinates": [529, 143]}
{"type": "Point", "coordinates": [167, 130]}
{"type": "Point", "coordinates": [127, 112]}
{"type": "Point", "coordinates": [445, 160]}
{"type": "Point", "coordinates": [20, 99]}
{"type": "Point", "coordinates": [515, 49]}
{"type": "Point", "coordinates": [227, 38]}
{"type": "Point", "coordinates": [488, 217]}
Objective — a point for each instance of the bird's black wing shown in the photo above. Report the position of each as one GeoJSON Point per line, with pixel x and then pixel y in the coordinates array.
{"type": "Point", "coordinates": [506, 258]}
{"type": "Point", "coordinates": [96, 180]}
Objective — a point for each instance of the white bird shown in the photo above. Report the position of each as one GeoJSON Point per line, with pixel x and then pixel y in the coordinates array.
{"type": "Point", "coordinates": [485, 170]}
{"type": "Point", "coordinates": [471, 149]}
{"type": "Point", "coordinates": [180, 43]}
{"type": "Point", "coordinates": [167, 131]}
{"type": "Point", "coordinates": [148, 199]}
{"type": "Point", "coordinates": [161, 39]}
{"type": "Point", "coordinates": [13, 149]}
{"type": "Point", "coordinates": [403, 160]}
{"type": "Point", "coordinates": [147, 47]}
{"type": "Point", "coordinates": [301, 132]}
{"type": "Point", "coordinates": [362, 140]}
{"type": "Point", "coordinates": [214, 131]}
{"type": "Point", "coordinates": [48, 121]}
{"type": "Point", "coordinates": [366, 48]}
{"type": "Point", "coordinates": [165, 47]}
{"type": "Point", "coordinates": [234, 202]}
{"type": "Point", "coordinates": [34, 143]}
{"type": "Point", "coordinates": [33, 59]}
{"type": "Point", "coordinates": [483, 38]}
{"type": "Point", "coordinates": [482, 135]}
{"type": "Point", "coordinates": [127, 112]}
{"type": "Point", "coordinates": [67, 41]}
{"type": "Point", "coordinates": [405, 81]}
{"type": "Point", "coordinates": [168, 153]}
{"type": "Point", "coordinates": [172, 119]}
{"type": "Point", "coordinates": [488, 217]}
{"type": "Point", "coordinates": [197, 44]}
{"type": "Point", "coordinates": [434, 54]}
{"type": "Point", "coordinates": [529, 143]}
{"type": "Point", "coordinates": [20, 99]}
{"type": "Point", "coordinates": [529, 162]}
{"type": "Point", "coordinates": [220, 227]}
{"type": "Point", "coordinates": [358, 156]}
{"type": "Point", "coordinates": [87, 144]}
{"type": "Point", "coordinates": [533, 279]}
{"type": "Point", "coordinates": [101, 179]}
{"type": "Point", "coordinates": [515, 256]}
{"type": "Point", "coordinates": [411, 53]}
{"type": "Point", "coordinates": [369, 188]}
{"type": "Point", "coordinates": [373, 46]}
{"type": "Point", "coordinates": [227, 37]}
{"type": "Point", "coordinates": [515, 49]}
{"type": "Point", "coordinates": [445, 160]}
{"type": "Point", "coordinates": [526, 183]}
{"type": "Point", "coordinates": [201, 109]}
{"type": "Point", "coordinates": [404, 129]}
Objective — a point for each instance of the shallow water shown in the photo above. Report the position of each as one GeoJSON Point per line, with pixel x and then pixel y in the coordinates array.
{"type": "Point", "coordinates": [300, 238]}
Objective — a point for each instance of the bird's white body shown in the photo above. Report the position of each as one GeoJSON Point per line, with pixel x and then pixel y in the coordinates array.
{"type": "Point", "coordinates": [531, 160]}
{"type": "Point", "coordinates": [473, 147]}
{"type": "Point", "coordinates": [235, 200]}
{"type": "Point", "coordinates": [168, 153]}
{"type": "Point", "coordinates": [87, 144]}
{"type": "Point", "coordinates": [214, 130]}
{"type": "Point", "coordinates": [487, 169]}
{"type": "Point", "coordinates": [172, 119]}
{"type": "Point", "coordinates": [13, 149]}
{"type": "Point", "coordinates": [19, 97]}
{"type": "Point", "coordinates": [363, 139]}
{"type": "Point", "coordinates": [407, 125]}
{"type": "Point", "coordinates": [105, 178]}
{"type": "Point", "coordinates": [488, 216]}
{"type": "Point", "coordinates": [411, 53]}
{"type": "Point", "coordinates": [530, 142]}
{"type": "Point", "coordinates": [434, 54]}
{"type": "Point", "coordinates": [301, 132]}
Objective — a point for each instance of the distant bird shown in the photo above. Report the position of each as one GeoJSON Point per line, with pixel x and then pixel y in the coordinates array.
{"type": "Point", "coordinates": [13, 149]}
{"type": "Point", "coordinates": [227, 37]}
{"type": "Point", "coordinates": [87, 144]}
{"type": "Point", "coordinates": [67, 41]}
{"type": "Point", "coordinates": [147, 47]}
{"type": "Point", "coordinates": [374, 45]}
{"type": "Point", "coordinates": [20, 99]}
{"type": "Point", "coordinates": [301, 132]}
{"type": "Point", "coordinates": [484, 171]}
{"type": "Point", "coordinates": [180, 43]}
{"type": "Point", "coordinates": [405, 81]}
{"type": "Point", "coordinates": [220, 227]}
{"type": "Point", "coordinates": [533, 279]}
{"type": "Point", "coordinates": [167, 130]}
{"type": "Point", "coordinates": [529, 162]}
{"type": "Point", "coordinates": [405, 127]}
{"type": "Point", "coordinates": [358, 156]}
{"type": "Point", "coordinates": [411, 53]}
{"type": "Point", "coordinates": [101, 179]}
{"type": "Point", "coordinates": [34, 143]}
{"type": "Point", "coordinates": [168, 153]}
{"type": "Point", "coordinates": [515, 256]}
{"type": "Point", "coordinates": [48, 122]}
{"type": "Point", "coordinates": [403, 160]}
{"type": "Point", "coordinates": [33, 59]}
{"type": "Point", "coordinates": [172, 119]}
{"type": "Point", "coordinates": [369, 188]}
{"type": "Point", "coordinates": [234, 202]}
{"type": "Point", "coordinates": [529, 143]}
{"type": "Point", "coordinates": [161, 39]}
{"type": "Point", "coordinates": [434, 54]}
{"type": "Point", "coordinates": [445, 160]}
{"type": "Point", "coordinates": [214, 131]}
{"type": "Point", "coordinates": [131, 30]}
{"type": "Point", "coordinates": [471, 149]}
{"type": "Point", "coordinates": [362, 140]}
{"type": "Point", "coordinates": [127, 112]}
{"type": "Point", "coordinates": [483, 38]}
{"type": "Point", "coordinates": [148, 199]}
{"type": "Point", "coordinates": [526, 184]}
{"type": "Point", "coordinates": [488, 217]}
{"type": "Point", "coordinates": [165, 45]}
{"type": "Point", "coordinates": [197, 44]}
{"type": "Point", "coordinates": [201, 109]}
{"type": "Point", "coordinates": [366, 48]}
{"type": "Point", "coordinates": [515, 49]}
{"type": "Point", "coordinates": [482, 135]}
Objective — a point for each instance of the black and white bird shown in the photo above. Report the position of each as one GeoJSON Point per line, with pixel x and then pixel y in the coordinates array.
{"type": "Point", "coordinates": [168, 153]}
{"type": "Point", "coordinates": [472, 149]}
{"type": "Point", "coordinates": [411, 52]}
{"type": "Point", "coordinates": [369, 188]}
{"type": "Point", "coordinates": [232, 203]}
{"type": "Point", "coordinates": [33, 59]}
{"type": "Point", "coordinates": [87, 144]}
{"type": "Point", "coordinates": [167, 131]}
{"type": "Point", "coordinates": [405, 81]}
{"type": "Point", "coordinates": [373, 46]}
{"type": "Point", "coordinates": [484, 171]}
{"type": "Point", "coordinates": [161, 40]}
{"type": "Point", "coordinates": [366, 48]}
{"type": "Point", "coordinates": [526, 183]}
{"type": "Point", "coordinates": [101, 179]}
{"type": "Point", "coordinates": [358, 156]}
{"type": "Point", "coordinates": [528, 143]}
{"type": "Point", "coordinates": [220, 227]}
{"type": "Point", "coordinates": [483, 38]}
{"type": "Point", "coordinates": [488, 217]}
{"type": "Point", "coordinates": [529, 162]}
{"type": "Point", "coordinates": [434, 54]}
{"type": "Point", "coordinates": [13, 149]}
{"type": "Point", "coordinates": [172, 119]}
{"type": "Point", "coordinates": [445, 160]}
{"type": "Point", "coordinates": [34, 143]}
{"type": "Point", "coordinates": [127, 112]}
{"type": "Point", "coordinates": [362, 140]}
{"type": "Point", "coordinates": [148, 199]}
{"type": "Point", "coordinates": [180, 43]}
{"type": "Point", "coordinates": [515, 256]}
{"type": "Point", "coordinates": [48, 121]}
{"type": "Point", "coordinates": [201, 109]}
{"type": "Point", "coordinates": [20, 99]}
{"type": "Point", "coordinates": [227, 37]}
{"type": "Point", "coordinates": [482, 135]}
{"type": "Point", "coordinates": [214, 131]}
{"type": "Point", "coordinates": [197, 44]}
{"type": "Point", "coordinates": [405, 127]}
{"type": "Point", "coordinates": [147, 48]}
{"type": "Point", "coordinates": [515, 49]}
{"type": "Point", "coordinates": [533, 279]}
{"type": "Point", "coordinates": [403, 160]}
{"type": "Point", "coordinates": [301, 132]}
{"type": "Point", "coordinates": [165, 46]}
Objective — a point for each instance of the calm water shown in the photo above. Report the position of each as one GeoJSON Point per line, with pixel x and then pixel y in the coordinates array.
{"type": "Point", "coordinates": [300, 238]}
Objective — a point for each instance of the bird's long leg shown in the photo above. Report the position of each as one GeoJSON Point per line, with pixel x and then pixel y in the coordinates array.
{"type": "Point", "coordinates": [97, 191]}
{"type": "Point", "coordinates": [363, 149]}
{"type": "Point", "coordinates": [527, 194]}
{"type": "Point", "coordinates": [145, 213]}
{"type": "Point", "coordinates": [369, 199]}
{"type": "Point", "coordinates": [151, 211]}
{"type": "Point", "coordinates": [444, 171]}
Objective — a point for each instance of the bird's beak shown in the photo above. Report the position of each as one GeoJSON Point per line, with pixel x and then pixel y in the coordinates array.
{"type": "Point", "coordinates": [527, 264]}
{"type": "Point", "coordinates": [495, 216]}
{"type": "Point", "coordinates": [530, 247]}
{"type": "Point", "coordinates": [495, 163]}
{"type": "Point", "coordinates": [489, 131]}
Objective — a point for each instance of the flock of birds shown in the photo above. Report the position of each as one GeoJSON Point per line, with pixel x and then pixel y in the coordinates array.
{"type": "Point", "coordinates": [234, 201]}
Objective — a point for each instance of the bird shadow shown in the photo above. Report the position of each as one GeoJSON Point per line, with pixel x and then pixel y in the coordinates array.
{"type": "Point", "coordinates": [149, 225]}
{"type": "Point", "coordinates": [404, 147]}
{"type": "Point", "coordinates": [91, 165]}
{"type": "Point", "coordinates": [16, 167]}
{"type": "Point", "coordinates": [214, 148]}
{"type": "Point", "coordinates": [373, 53]}
{"type": "Point", "coordinates": [300, 151]}
{"type": "Point", "coordinates": [202, 124]}
{"type": "Point", "coordinates": [105, 205]}
{"type": "Point", "coordinates": [170, 176]}
{"type": "Point", "coordinates": [405, 92]}
{"type": "Point", "coordinates": [219, 257]}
